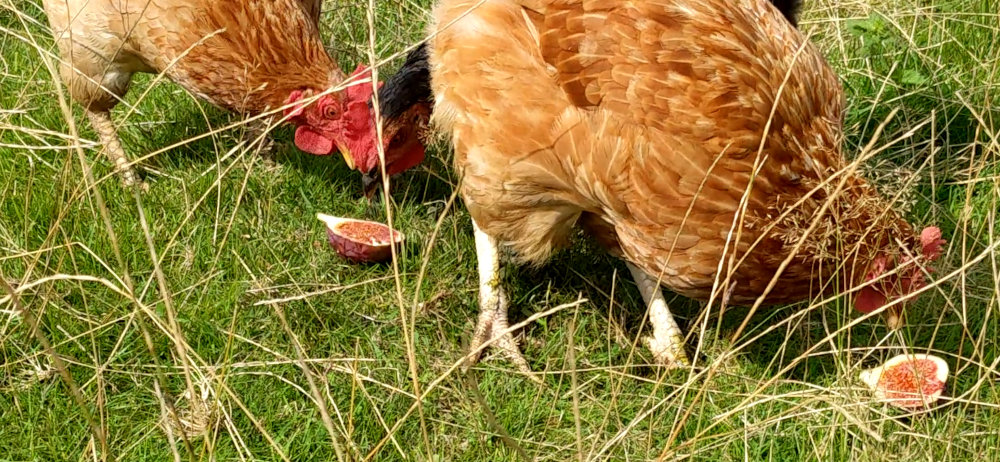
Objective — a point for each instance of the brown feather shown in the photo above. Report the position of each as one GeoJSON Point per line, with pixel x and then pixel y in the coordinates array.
{"type": "Point", "coordinates": [242, 55]}
{"type": "Point", "coordinates": [643, 123]}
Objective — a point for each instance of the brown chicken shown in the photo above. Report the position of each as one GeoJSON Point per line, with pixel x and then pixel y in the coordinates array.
{"type": "Point", "coordinates": [697, 140]}
{"type": "Point", "coordinates": [248, 56]}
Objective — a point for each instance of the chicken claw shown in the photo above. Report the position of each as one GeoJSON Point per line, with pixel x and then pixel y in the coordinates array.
{"type": "Point", "coordinates": [493, 327]}
{"type": "Point", "coordinates": [668, 352]}
{"type": "Point", "coordinates": [667, 342]}
{"type": "Point", "coordinates": [258, 129]}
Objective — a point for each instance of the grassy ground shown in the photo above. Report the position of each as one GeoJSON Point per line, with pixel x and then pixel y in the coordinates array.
{"type": "Point", "coordinates": [268, 346]}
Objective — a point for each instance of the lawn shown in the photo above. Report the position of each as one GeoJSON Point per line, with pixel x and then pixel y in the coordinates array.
{"type": "Point", "coordinates": [214, 298]}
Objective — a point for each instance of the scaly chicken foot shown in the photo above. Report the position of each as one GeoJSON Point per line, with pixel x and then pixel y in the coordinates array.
{"type": "Point", "coordinates": [492, 326]}
{"type": "Point", "coordinates": [256, 136]}
{"type": "Point", "coordinates": [667, 342]}
{"type": "Point", "coordinates": [108, 134]}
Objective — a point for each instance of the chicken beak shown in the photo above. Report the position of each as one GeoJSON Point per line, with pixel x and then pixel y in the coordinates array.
{"type": "Point", "coordinates": [894, 317]}
{"type": "Point", "coordinates": [348, 159]}
{"type": "Point", "coordinates": [371, 183]}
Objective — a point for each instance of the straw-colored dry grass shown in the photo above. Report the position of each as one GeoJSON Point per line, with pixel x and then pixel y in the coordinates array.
{"type": "Point", "coordinates": [258, 343]}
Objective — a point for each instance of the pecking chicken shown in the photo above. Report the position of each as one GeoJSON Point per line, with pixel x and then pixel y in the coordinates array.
{"type": "Point", "coordinates": [697, 140]}
{"type": "Point", "coordinates": [248, 56]}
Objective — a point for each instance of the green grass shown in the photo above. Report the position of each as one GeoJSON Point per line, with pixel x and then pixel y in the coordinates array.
{"type": "Point", "coordinates": [235, 235]}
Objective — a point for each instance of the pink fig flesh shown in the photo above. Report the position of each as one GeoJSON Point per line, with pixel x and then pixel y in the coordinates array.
{"type": "Point", "coordinates": [360, 240]}
{"type": "Point", "coordinates": [908, 382]}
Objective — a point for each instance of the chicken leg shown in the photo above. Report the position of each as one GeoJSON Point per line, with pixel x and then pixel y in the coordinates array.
{"type": "Point", "coordinates": [256, 136]}
{"type": "Point", "coordinates": [667, 342]}
{"type": "Point", "coordinates": [492, 325]}
{"type": "Point", "coordinates": [105, 128]}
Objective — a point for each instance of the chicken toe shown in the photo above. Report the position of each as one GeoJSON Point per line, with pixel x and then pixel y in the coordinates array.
{"type": "Point", "coordinates": [667, 341]}
{"type": "Point", "coordinates": [669, 351]}
{"type": "Point", "coordinates": [494, 330]}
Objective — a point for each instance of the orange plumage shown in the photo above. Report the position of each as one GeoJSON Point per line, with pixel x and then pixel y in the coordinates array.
{"type": "Point", "coordinates": [242, 55]}
{"type": "Point", "coordinates": [697, 140]}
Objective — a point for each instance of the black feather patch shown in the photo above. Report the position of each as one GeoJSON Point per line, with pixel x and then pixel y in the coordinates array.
{"type": "Point", "coordinates": [789, 8]}
{"type": "Point", "coordinates": [410, 86]}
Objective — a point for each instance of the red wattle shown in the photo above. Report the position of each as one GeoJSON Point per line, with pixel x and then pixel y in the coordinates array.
{"type": "Point", "coordinates": [313, 142]}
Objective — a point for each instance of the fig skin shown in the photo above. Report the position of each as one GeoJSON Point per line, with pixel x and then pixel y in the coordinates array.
{"type": "Point", "coordinates": [354, 249]}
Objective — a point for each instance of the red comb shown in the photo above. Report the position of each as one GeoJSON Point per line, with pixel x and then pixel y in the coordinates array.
{"type": "Point", "coordinates": [930, 240]}
{"type": "Point", "coordinates": [358, 90]}
{"type": "Point", "coordinates": [296, 109]}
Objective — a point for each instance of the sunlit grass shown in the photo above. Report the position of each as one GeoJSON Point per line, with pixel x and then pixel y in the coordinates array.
{"type": "Point", "coordinates": [268, 346]}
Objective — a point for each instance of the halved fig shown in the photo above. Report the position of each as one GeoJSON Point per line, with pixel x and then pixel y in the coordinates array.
{"type": "Point", "coordinates": [908, 381]}
{"type": "Point", "coordinates": [360, 240]}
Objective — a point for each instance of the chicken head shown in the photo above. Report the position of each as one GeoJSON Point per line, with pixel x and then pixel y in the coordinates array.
{"type": "Point", "coordinates": [401, 145]}
{"type": "Point", "coordinates": [336, 121]}
{"type": "Point", "coordinates": [405, 105]}
{"type": "Point", "coordinates": [884, 288]}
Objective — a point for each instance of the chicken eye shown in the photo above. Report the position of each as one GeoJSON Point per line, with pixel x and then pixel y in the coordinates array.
{"type": "Point", "coordinates": [330, 112]}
